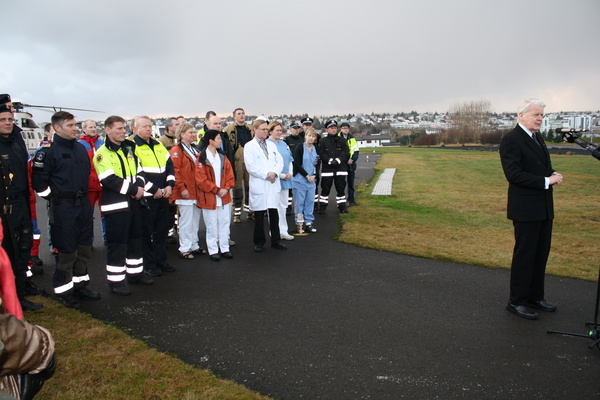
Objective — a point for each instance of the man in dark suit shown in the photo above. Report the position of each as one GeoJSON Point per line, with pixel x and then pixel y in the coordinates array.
{"type": "Point", "coordinates": [526, 163]}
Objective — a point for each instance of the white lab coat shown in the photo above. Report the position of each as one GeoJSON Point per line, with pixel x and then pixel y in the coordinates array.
{"type": "Point", "coordinates": [263, 194]}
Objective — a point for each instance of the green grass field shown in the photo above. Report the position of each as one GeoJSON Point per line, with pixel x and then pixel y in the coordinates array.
{"type": "Point", "coordinates": [451, 205]}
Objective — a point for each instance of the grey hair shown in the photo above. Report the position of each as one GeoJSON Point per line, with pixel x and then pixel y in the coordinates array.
{"type": "Point", "coordinates": [525, 104]}
{"type": "Point", "coordinates": [137, 119]}
{"type": "Point", "coordinates": [169, 122]}
{"type": "Point", "coordinates": [84, 124]}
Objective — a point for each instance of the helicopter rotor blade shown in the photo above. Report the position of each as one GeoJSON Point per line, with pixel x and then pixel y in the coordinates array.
{"type": "Point", "coordinates": [60, 108]}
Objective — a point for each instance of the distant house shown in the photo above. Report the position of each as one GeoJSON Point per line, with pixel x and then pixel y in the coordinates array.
{"type": "Point", "coordinates": [373, 140]}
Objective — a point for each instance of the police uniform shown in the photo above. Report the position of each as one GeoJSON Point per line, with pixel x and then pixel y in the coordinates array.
{"type": "Point", "coordinates": [60, 173]}
{"type": "Point", "coordinates": [120, 176]}
{"type": "Point", "coordinates": [14, 207]}
{"type": "Point", "coordinates": [159, 173]}
{"type": "Point", "coordinates": [334, 155]}
{"type": "Point", "coordinates": [354, 153]}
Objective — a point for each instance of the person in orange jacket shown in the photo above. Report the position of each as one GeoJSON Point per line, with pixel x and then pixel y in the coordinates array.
{"type": "Point", "coordinates": [184, 155]}
{"type": "Point", "coordinates": [214, 178]}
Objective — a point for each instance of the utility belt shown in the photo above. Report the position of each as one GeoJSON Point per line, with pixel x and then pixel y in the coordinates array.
{"type": "Point", "coordinates": [77, 196]}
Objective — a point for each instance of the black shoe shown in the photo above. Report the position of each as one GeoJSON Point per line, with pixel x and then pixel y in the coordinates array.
{"type": "Point", "coordinates": [353, 204]}
{"type": "Point", "coordinates": [69, 301]}
{"type": "Point", "coordinates": [154, 272]}
{"type": "Point", "coordinates": [171, 240]}
{"type": "Point", "coordinates": [227, 254]}
{"type": "Point", "coordinates": [522, 311]}
{"type": "Point", "coordinates": [86, 293]}
{"type": "Point", "coordinates": [542, 305]}
{"type": "Point", "coordinates": [35, 260]}
{"type": "Point", "coordinates": [215, 257]}
{"type": "Point", "coordinates": [168, 268]}
{"type": "Point", "coordinates": [258, 248]}
{"type": "Point", "coordinates": [279, 245]}
{"type": "Point", "coordinates": [31, 289]}
{"type": "Point", "coordinates": [344, 210]}
{"type": "Point", "coordinates": [310, 229]}
{"type": "Point", "coordinates": [121, 290]}
{"type": "Point", "coordinates": [27, 305]}
{"type": "Point", "coordinates": [143, 280]}
{"type": "Point", "coordinates": [250, 215]}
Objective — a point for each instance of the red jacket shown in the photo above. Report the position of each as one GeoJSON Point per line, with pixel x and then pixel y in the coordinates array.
{"type": "Point", "coordinates": [92, 144]}
{"type": "Point", "coordinates": [185, 178]}
{"type": "Point", "coordinates": [205, 180]}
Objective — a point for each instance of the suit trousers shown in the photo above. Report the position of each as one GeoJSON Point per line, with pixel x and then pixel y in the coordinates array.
{"type": "Point", "coordinates": [259, 227]}
{"type": "Point", "coordinates": [532, 246]}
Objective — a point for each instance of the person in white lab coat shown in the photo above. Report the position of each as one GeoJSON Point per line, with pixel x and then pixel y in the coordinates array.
{"type": "Point", "coordinates": [264, 164]}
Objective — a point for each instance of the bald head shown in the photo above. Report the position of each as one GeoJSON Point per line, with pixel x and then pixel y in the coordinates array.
{"type": "Point", "coordinates": [214, 122]}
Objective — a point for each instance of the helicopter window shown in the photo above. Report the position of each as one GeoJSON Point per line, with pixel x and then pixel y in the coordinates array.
{"type": "Point", "coordinates": [28, 123]}
{"type": "Point", "coordinates": [29, 135]}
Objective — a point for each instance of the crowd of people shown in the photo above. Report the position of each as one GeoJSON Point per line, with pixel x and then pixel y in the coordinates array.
{"type": "Point", "coordinates": [187, 185]}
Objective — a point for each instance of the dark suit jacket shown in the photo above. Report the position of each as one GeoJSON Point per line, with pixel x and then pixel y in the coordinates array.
{"type": "Point", "coordinates": [525, 166]}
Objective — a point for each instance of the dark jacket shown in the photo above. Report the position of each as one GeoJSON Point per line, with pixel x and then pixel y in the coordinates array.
{"type": "Point", "coordinates": [526, 165]}
{"type": "Point", "coordinates": [334, 153]}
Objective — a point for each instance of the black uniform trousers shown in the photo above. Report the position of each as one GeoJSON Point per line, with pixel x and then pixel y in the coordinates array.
{"type": "Point", "coordinates": [155, 229]}
{"type": "Point", "coordinates": [72, 230]}
{"type": "Point", "coordinates": [351, 176]}
{"type": "Point", "coordinates": [532, 247]}
{"type": "Point", "coordinates": [18, 240]}
{"type": "Point", "coordinates": [124, 256]}
{"type": "Point", "coordinates": [339, 179]}
{"type": "Point", "coordinates": [259, 227]}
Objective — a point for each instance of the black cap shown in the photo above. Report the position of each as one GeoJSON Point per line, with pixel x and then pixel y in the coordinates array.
{"type": "Point", "coordinates": [5, 98]}
{"type": "Point", "coordinates": [306, 121]}
{"type": "Point", "coordinates": [345, 123]}
{"type": "Point", "coordinates": [295, 124]}
{"type": "Point", "coordinates": [4, 108]}
{"type": "Point", "coordinates": [330, 123]}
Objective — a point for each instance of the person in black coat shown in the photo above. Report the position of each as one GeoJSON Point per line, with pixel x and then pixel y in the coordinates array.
{"type": "Point", "coordinates": [527, 167]}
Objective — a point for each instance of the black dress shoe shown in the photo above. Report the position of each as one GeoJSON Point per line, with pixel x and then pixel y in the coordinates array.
{"type": "Point", "coordinates": [522, 311]}
{"type": "Point", "coordinates": [258, 248]}
{"type": "Point", "coordinates": [27, 305]}
{"type": "Point", "coordinates": [121, 290]}
{"type": "Point", "coordinates": [35, 260]}
{"type": "Point", "coordinates": [86, 293]}
{"type": "Point", "coordinates": [542, 305]}
{"type": "Point", "coordinates": [279, 245]}
{"type": "Point", "coordinates": [70, 301]}
{"type": "Point", "coordinates": [143, 280]}
{"type": "Point", "coordinates": [154, 272]}
{"type": "Point", "coordinates": [227, 254]}
{"type": "Point", "coordinates": [215, 257]}
{"type": "Point", "coordinates": [168, 268]}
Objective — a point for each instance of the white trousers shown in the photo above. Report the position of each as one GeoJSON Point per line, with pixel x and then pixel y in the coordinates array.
{"type": "Point", "coordinates": [281, 207]}
{"type": "Point", "coordinates": [217, 228]}
{"type": "Point", "coordinates": [189, 221]}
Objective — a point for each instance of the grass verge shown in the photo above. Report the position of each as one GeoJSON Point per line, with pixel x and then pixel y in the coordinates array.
{"type": "Point", "coordinates": [99, 361]}
{"type": "Point", "coordinates": [451, 205]}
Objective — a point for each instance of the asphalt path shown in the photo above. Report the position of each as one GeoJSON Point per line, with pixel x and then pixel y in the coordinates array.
{"type": "Point", "coordinates": [326, 320]}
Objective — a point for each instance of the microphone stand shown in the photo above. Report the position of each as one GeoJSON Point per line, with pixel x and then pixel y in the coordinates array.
{"type": "Point", "coordinates": [594, 332]}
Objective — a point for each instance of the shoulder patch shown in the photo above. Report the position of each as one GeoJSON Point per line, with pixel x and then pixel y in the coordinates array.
{"type": "Point", "coordinates": [40, 156]}
{"type": "Point", "coordinates": [99, 158]}
{"type": "Point", "coordinates": [47, 145]}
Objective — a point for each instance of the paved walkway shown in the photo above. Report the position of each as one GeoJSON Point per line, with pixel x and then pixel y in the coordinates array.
{"type": "Point", "coordinates": [326, 320]}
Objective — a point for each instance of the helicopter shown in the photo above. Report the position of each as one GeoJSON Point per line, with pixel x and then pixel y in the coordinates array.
{"type": "Point", "coordinates": [33, 135]}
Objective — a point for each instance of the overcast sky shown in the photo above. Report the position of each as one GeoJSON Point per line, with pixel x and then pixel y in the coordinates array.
{"type": "Point", "coordinates": [319, 57]}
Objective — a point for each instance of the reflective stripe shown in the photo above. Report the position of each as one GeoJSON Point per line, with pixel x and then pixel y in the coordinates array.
{"type": "Point", "coordinates": [28, 274]}
{"type": "Point", "coordinates": [117, 269]}
{"type": "Point", "coordinates": [116, 278]}
{"type": "Point", "coordinates": [37, 236]}
{"type": "Point", "coordinates": [116, 206]}
{"type": "Point", "coordinates": [342, 173]}
{"type": "Point", "coordinates": [324, 174]}
{"type": "Point", "coordinates": [153, 170]}
{"type": "Point", "coordinates": [124, 187]}
{"type": "Point", "coordinates": [171, 178]}
{"type": "Point", "coordinates": [45, 192]}
{"type": "Point", "coordinates": [82, 278]}
{"type": "Point", "coordinates": [134, 261]}
{"type": "Point", "coordinates": [147, 186]}
{"type": "Point", "coordinates": [64, 288]}
{"type": "Point", "coordinates": [106, 174]}
{"type": "Point", "coordinates": [135, 270]}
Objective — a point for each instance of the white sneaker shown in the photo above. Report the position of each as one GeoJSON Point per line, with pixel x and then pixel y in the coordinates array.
{"type": "Point", "coordinates": [285, 236]}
